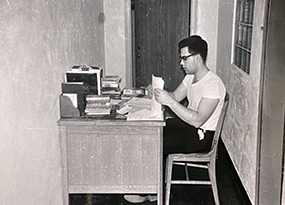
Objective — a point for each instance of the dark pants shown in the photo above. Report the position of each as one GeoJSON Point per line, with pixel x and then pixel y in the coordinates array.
{"type": "Point", "coordinates": [180, 137]}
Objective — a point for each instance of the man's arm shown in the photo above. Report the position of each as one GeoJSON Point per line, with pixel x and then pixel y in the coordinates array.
{"type": "Point", "coordinates": [195, 118]}
{"type": "Point", "coordinates": [179, 94]}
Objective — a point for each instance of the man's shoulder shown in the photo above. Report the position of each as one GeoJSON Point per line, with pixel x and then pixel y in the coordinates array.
{"type": "Point", "coordinates": [214, 77]}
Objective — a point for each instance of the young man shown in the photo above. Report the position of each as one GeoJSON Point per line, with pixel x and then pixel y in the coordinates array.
{"type": "Point", "coordinates": [205, 93]}
{"type": "Point", "coordinates": [194, 127]}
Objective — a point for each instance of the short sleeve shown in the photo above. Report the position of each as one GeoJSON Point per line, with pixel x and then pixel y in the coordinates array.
{"type": "Point", "coordinates": [214, 90]}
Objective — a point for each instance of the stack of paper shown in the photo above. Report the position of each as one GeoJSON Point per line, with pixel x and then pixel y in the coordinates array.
{"type": "Point", "coordinates": [150, 108]}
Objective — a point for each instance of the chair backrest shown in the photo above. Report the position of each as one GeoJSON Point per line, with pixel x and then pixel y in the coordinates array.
{"type": "Point", "coordinates": [220, 124]}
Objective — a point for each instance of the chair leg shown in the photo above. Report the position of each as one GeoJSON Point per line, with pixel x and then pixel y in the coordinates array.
{"type": "Point", "coordinates": [168, 175]}
{"type": "Point", "coordinates": [212, 175]}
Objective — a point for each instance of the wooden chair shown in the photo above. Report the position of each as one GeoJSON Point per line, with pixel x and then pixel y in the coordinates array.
{"type": "Point", "coordinates": [198, 160]}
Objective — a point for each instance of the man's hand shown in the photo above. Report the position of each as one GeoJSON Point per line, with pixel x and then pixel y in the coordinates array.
{"type": "Point", "coordinates": [149, 90]}
{"type": "Point", "coordinates": [163, 97]}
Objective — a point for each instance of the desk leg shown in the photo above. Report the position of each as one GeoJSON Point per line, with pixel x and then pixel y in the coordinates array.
{"type": "Point", "coordinates": [160, 170]}
{"type": "Point", "coordinates": [65, 194]}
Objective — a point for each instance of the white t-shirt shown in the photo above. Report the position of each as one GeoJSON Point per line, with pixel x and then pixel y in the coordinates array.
{"type": "Point", "coordinates": [210, 86]}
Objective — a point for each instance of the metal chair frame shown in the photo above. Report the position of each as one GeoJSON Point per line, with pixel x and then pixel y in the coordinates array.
{"type": "Point", "coordinates": [195, 159]}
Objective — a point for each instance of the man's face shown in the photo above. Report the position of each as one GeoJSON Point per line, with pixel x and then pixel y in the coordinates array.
{"type": "Point", "coordinates": [187, 61]}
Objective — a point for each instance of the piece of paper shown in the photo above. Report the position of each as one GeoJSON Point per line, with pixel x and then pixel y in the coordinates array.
{"type": "Point", "coordinates": [157, 82]}
{"type": "Point", "coordinates": [124, 110]}
{"type": "Point", "coordinates": [140, 102]}
{"type": "Point", "coordinates": [154, 111]}
{"type": "Point", "coordinates": [144, 114]}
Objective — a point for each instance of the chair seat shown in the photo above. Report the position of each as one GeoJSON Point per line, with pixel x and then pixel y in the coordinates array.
{"type": "Point", "coordinates": [194, 157]}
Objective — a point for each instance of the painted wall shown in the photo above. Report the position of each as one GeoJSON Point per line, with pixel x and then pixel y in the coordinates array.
{"type": "Point", "coordinates": [273, 109]}
{"type": "Point", "coordinates": [118, 46]}
{"type": "Point", "coordinates": [204, 21]}
{"type": "Point", "coordinates": [39, 41]}
{"type": "Point", "coordinates": [241, 128]}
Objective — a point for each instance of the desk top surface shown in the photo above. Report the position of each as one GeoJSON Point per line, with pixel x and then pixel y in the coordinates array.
{"type": "Point", "coordinates": [103, 121]}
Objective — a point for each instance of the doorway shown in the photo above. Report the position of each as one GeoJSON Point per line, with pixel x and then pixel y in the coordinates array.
{"type": "Point", "coordinates": [158, 26]}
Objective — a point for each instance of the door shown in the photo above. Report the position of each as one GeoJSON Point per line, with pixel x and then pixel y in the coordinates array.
{"type": "Point", "coordinates": [158, 27]}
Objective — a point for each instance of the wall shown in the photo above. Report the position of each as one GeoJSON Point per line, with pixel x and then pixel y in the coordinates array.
{"type": "Point", "coordinates": [241, 130]}
{"type": "Point", "coordinates": [204, 21]}
{"type": "Point", "coordinates": [118, 46]}
{"type": "Point", "coordinates": [273, 107]}
{"type": "Point", "coordinates": [39, 41]}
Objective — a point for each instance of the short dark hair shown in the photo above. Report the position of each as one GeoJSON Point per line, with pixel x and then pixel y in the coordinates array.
{"type": "Point", "coordinates": [195, 44]}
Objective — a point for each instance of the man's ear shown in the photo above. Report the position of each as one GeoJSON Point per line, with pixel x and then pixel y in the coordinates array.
{"type": "Point", "coordinates": [198, 58]}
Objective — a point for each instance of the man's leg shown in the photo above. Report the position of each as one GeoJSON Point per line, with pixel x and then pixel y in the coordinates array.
{"type": "Point", "coordinates": [180, 137]}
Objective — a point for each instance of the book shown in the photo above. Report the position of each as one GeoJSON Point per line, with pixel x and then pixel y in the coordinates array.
{"type": "Point", "coordinates": [97, 98]}
{"type": "Point", "coordinates": [111, 92]}
{"type": "Point", "coordinates": [98, 111]}
{"type": "Point", "coordinates": [112, 79]}
{"type": "Point", "coordinates": [98, 105]}
{"type": "Point", "coordinates": [110, 85]}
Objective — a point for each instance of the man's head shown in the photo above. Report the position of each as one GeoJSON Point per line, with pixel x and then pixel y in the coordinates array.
{"type": "Point", "coordinates": [196, 45]}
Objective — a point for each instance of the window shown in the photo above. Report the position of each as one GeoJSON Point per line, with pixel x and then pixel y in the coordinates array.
{"type": "Point", "coordinates": [243, 34]}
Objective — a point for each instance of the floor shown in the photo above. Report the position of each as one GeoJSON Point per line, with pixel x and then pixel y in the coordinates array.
{"type": "Point", "coordinates": [230, 189]}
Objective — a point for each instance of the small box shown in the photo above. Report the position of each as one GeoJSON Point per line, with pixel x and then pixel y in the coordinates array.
{"type": "Point", "coordinates": [91, 78]}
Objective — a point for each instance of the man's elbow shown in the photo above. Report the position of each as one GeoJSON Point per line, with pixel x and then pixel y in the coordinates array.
{"type": "Point", "coordinates": [198, 123]}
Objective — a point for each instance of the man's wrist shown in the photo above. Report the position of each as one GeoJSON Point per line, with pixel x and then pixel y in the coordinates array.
{"type": "Point", "coordinates": [172, 102]}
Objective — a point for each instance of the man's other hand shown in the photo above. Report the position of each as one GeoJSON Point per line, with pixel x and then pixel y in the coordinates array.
{"type": "Point", "coordinates": [163, 97]}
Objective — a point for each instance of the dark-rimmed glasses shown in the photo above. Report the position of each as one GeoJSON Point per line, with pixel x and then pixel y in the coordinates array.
{"type": "Point", "coordinates": [185, 57]}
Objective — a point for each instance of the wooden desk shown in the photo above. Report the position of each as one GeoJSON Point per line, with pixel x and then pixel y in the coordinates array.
{"type": "Point", "coordinates": [111, 156]}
